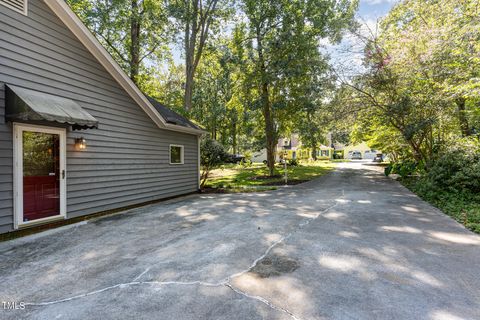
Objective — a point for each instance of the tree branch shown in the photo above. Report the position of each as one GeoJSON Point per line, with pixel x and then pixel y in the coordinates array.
{"type": "Point", "coordinates": [114, 48]}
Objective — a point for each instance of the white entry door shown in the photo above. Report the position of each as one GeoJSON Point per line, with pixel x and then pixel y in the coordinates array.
{"type": "Point", "coordinates": [40, 177]}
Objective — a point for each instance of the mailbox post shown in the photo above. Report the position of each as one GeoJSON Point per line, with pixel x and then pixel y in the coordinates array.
{"type": "Point", "coordinates": [286, 145]}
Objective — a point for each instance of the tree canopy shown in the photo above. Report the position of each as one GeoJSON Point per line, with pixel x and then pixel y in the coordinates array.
{"type": "Point", "coordinates": [420, 91]}
{"type": "Point", "coordinates": [252, 71]}
{"type": "Point", "coordinates": [134, 32]}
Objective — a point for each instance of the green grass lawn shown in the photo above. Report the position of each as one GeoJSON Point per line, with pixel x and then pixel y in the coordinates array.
{"type": "Point", "coordinates": [237, 178]}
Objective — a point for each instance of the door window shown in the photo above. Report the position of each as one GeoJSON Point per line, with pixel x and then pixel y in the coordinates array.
{"type": "Point", "coordinates": [41, 175]}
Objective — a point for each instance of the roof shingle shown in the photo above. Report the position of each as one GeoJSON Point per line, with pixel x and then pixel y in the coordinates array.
{"type": "Point", "coordinates": [171, 116]}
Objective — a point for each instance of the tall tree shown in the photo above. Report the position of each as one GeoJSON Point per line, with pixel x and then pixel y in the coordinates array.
{"type": "Point", "coordinates": [196, 19]}
{"type": "Point", "coordinates": [421, 85]}
{"type": "Point", "coordinates": [314, 90]}
{"type": "Point", "coordinates": [281, 33]}
{"type": "Point", "coordinates": [440, 39]}
{"type": "Point", "coordinates": [133, 31]}
{"type": "Point", "coordinates": [165, 85]}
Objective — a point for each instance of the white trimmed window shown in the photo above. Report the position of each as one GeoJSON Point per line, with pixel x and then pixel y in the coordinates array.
{"type": "Point", "coordinates": [17, 5]}
{"type": "Point", "coordinates": [176, 154]}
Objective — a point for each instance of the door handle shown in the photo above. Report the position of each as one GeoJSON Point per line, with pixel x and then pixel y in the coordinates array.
{"type": "Point", "coordinates": [63, 174]}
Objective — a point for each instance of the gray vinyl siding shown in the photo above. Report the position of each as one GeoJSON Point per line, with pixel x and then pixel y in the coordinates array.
{"type": "Point", "coordinates": [127, 158]}
{"type": "Point", "coordinates": [6, 169]}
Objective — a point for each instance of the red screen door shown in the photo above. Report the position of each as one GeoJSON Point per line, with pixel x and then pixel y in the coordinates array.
{"type": "Point", "coordinates": [41, 175]}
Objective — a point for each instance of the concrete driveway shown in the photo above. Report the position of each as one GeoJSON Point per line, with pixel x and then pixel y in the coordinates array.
{"type": "Point", "coordinates": [350, 245]}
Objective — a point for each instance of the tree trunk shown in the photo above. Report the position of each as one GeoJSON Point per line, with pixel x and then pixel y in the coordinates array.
{"type": "Point", "coordinates": [269, 129]}
{"type": "Point", "coordinates": [204, 177]}
{"type": "Point", "coordinates": [234, 137]}
{"type": "Point", "coordinates": [197, 24]}
{"type": "Point", "coordinates": [266, 107]}
{"type": "Point", "coordinates": [462, 118]}
{"type": "Point", "coordinates": [135, 38]}
{"type": "Point", "coordinates": [312, 137]}
{"type": "Point", "coordinates": [191, 30]}
{"type": "Point", "coordinates": [415, 145]}
{"type": "Point", "coordinates": [417, 152]}
{"type": "Point", "coordinates": [188, 87]}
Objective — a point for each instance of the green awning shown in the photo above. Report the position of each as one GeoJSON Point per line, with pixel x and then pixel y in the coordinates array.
{"type": "Point", "coordinates": [26, 105]}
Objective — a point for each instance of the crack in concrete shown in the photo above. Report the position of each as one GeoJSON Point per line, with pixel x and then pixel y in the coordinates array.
{"type": "Point", "coordinates": [263, 300]}
{"type": "Point", "coordinates": [282, 239]}
{"type": "Point", "coordinates": [141, 274]}
{"type": "Point", "coordinates": [122, 285]}
{"type": "Point", "coordinates": [225, 282]}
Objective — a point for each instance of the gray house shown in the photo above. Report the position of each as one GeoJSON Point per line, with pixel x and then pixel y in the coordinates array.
{"type": "Point", "coordinates": [76, 135]}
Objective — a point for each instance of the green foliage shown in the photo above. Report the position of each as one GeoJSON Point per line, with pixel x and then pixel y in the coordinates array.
{"type": "Point", "coordinates": [40, 160]}
{"type": "Point", "coordinates": [195, 20]}
{"type": "Point", "coordinates": [219, 99]}
{"type": "Point", "coordinates": [463, 206]}
{"type": "Point", "coordinates": [453, 183]}
{"type": "Point", "coordinates": [403, 168]}
{"type": "Point", "coordinates": [457, 170]}
{"type": "Point", "coordinates": [251, 79]}
{"type": "Point", "coordinates": [115, 23]}
{"type": "Point", "coordinates": [165, 85]}
{"type": "Point", "coordinates": [284, 61]}
{"type": "Point", "coordinates": [248, 156]}
{"type": "Point", "coordinates": [388, 170]}
{"type": "Point", "coordinates": [212, 155]}
{"type": "Point", "coordinates": [420, 91]}
{"type": "Point", "coordinates": [293, 162]}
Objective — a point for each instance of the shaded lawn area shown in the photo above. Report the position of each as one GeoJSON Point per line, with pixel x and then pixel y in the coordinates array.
{"type": "Point", "coordinates": [238, 178]}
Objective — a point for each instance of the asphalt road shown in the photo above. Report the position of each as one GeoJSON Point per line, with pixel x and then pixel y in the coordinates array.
{"type": "Point", "coordinates": [350, 245]}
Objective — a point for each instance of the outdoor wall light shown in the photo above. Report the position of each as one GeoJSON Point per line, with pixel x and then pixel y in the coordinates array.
{"type": "Point", "coordinates": [80, 143]}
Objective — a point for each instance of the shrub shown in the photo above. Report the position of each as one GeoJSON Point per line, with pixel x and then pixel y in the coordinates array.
{"type": "Point", "coordinates": [404, 168]}
{"type": "Point", "coordinates": [212, 155]}
{"type": "Point", "coordinates": [293, 162]}
{"type": "Point", "coordinates": [452, 183]}
{"type": "Point", "coordinates": [246, 163]}
{"type": "Point", "coordinates": [388, 170]}
{"type": "Point", "coordinates": [248, 156]}
{"type": "Point", "coordinates": [457, 170]}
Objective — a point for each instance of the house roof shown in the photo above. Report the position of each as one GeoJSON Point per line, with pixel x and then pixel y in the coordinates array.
{"type": "Point", "coordinates": [76, 26]}
{"type": "Point", "coordinates": [171, 116]}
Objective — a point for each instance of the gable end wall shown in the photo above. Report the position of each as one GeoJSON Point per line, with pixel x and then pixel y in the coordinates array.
{"type": "Point", "coordinates": [127, 158]}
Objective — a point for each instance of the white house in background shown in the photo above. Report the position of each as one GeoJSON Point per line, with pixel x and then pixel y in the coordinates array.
{"type": "Point", "coordinates": [259, 156]}
{"type": "Point", "coordinates": [292, 148]}
{"type": "Point", "coordinates": [367, 152]}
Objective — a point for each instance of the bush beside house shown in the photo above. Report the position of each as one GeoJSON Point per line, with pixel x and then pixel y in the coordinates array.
{"type": "Point", "coordinates": [212, 155]}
